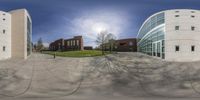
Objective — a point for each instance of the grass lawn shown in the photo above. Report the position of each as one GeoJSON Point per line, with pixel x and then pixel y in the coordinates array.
{"type": "Point", "coordinates": [84, 53]}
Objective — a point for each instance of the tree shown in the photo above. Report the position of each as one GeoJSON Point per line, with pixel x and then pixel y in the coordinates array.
{"type": "Point", "coordinates": [111, 41]}
{"type": "Point", "coordinates": [39, 45]}
{"type": "Point", "coordinates": [101, 40]}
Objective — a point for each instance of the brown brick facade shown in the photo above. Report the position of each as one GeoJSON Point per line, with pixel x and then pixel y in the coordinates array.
{"type": "Point", "coordinates": [88, 48]}
{"type": "Point", "coordinates": [72, 44]}
{"type": "Point", "coordinates": [124, 45]}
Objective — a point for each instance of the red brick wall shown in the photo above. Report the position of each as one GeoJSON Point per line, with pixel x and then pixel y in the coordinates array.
{"type": "Point", "coordinates": [126, 45]}
{"type": "Point", "coordinates": [57, 45]}
{"type": "Point", "coordinates": [123, 45]}
{"type": "Point", "coordinates": [75, 43]}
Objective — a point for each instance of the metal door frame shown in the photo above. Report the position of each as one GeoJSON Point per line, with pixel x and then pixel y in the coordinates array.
{"type": "Point", "coordinates": [156, 43]}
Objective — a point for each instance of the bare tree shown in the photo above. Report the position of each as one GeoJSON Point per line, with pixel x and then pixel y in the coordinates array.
{"type": "Point", "coordinates": [111, 41]}
{"type": "Point", "coordinates": [102, 40]}
{"type": "Point", "coordinates": [39, 45]}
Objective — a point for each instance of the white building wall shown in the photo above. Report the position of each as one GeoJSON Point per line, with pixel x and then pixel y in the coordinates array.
{"type": "Point", "coordinates": [5, 38]}
{"type": "Point", "coordinates": [184, 37]}
{"type": "Point", "coordinates": [19, 33]}
{"type": "Point", "coordinates": [13, 43]}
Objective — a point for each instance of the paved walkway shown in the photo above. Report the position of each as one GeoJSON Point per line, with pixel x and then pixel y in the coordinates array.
{"type": "Point", "coordinates": [123, 76]}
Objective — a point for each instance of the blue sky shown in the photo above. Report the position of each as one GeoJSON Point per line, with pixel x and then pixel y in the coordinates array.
{"type": "Point", "coordinates": [54, 19]}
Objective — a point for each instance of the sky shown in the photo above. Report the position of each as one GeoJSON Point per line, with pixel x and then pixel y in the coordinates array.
{"type": "Point", "coordinates": [55, 19]}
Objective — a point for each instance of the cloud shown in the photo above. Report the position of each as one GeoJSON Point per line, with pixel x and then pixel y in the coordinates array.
{"type": "Point", "coordinates": [46, 44]}
{"type": "Point", "coordinates": [91, 22]}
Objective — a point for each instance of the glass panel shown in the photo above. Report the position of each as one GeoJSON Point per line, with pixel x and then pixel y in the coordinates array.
{"type": "Point", "coordinates": [154, 49]}
{"type": "Point", "coordinates": [158, 49]}
{"type": "Point", "coordinates": [150, 24]}
{"type": "Point", "coordinates": [29, 43]}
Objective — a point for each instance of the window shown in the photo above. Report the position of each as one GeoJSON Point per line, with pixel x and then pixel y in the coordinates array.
{"type": "Point", "coordinates": [4, 48]}
{"type": "Point", "coordinates": [192, 48]}
{"type": "Point", "coordinates": [192, 11]}
{"type": "Point", "coordinates": [4, 31]}
{"type": "Point", "coordinates": [176, 11]}
{"type": "Point", "coordinates": [176, 15]}
{"type": "Point", "coordinates": [176, 27]}
{"type": "Point", "coordinates": [77, 42]}
{"type": "Point", "coordinates": [130, 43]}
{"type": "Point", "coordinates": [122, 44]}
{"type": "Point", "coordinates": [177, 48]}
{"type": "Point", "coordinates": [68, 43]}
{"type": "Point", "coordinates": [192, 16]}
{"type": "Point", "coordinates": [74, 43]}
{"type": "Point", "coordinates": [4, 14]}
{"type": "Point", "coordinates": [71, 43]}
{"type": "Point", "coordinates": [192, 28]}
{"type": "Point", "coordinates": [4, 19]}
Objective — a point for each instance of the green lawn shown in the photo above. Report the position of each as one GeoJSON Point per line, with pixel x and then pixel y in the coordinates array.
{"type": "Point", "coordinates": [84, 53]}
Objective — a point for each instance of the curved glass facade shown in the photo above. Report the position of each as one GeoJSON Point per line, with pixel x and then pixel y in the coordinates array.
{"type": "Point", "coordinates": [29, 33]}
{"type": "Point", "coordinates": [151, 38]}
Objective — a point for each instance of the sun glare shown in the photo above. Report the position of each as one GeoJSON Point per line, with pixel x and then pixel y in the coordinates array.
{"type": "Point", "coordinates": [99, 28]}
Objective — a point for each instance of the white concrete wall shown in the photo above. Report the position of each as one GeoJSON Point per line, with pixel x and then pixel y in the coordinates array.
{"type": "Point", "coordinates": [19, 33]}
{"type": "Point", "coordinates": [5, 38]}
{"type": "Point", "coordinates": [184, 37]}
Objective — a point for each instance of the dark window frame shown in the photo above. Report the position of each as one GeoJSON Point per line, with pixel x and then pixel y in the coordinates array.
{"type": "Point", "coordinates": [192, 28]}
{"type": "Point", "coordinates": [177, 15]}
{"type": "Point", "coordinates": [4, 48]}
{"type": "Point", "coordinates": [177, 27]}
{"type": "Point", "coordinates": [177, 48]}
{"type": "Point", "coordinates": [192, 16]}
{"type": "Point", "coordinates": [193, 48]}
{"type": "Point", "coordinates": [4, 31]}
{"type": "Point", "coordinates": [177, 11]}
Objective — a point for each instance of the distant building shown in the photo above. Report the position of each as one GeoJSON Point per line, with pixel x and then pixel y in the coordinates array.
{"type": "Point", "coordinates": [88, 48]}
{"type": "Point", "coordinates": [15, 34]}
{"type": "Point", "coordinates": [72, 44]}
{"type": "Point", "coordinates": [126, 45]}
{"type": "Point", "coordinates": [123, 45]}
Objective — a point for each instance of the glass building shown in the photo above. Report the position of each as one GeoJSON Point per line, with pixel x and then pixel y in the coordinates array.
{"type": "Point", "coordinates": [173, 35]}
{"type": "Point", "coordinates": [29, 34]}
{"type": "Point", "coordinates": [151, 36]}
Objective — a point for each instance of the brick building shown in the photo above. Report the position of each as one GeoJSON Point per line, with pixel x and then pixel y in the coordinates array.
{"type": "Point", "coordinates": [75, 43]}
{"type": "Point", "coordinates": [88, 48]}
{"type": "Point", "coordinates": [123, 45]}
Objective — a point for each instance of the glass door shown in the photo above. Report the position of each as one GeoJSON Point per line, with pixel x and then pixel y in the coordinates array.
{"type": "Point", "coordinates": [157, 49]}
{"type": "Point", "coordinates": [154, 49]}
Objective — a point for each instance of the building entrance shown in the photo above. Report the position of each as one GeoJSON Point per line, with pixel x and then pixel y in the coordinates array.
{"type": "Point", "coordinates": [157, 49]}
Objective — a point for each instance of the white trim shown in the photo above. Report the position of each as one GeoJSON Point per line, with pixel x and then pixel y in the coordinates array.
{"type": "Point", "coordinates": [148, 20]}
{"type": "Point", "coordinates": [160, 41]}
{"type": "Point", "coordinates": [157, 27]}
{"type": "Point", "coordinates": [162, 12]}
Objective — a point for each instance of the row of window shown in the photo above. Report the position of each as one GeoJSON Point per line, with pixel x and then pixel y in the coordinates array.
{"type": "Point", "coordinates": [178, 28]}
{"type": "Point", "coordinates": [145, 45]}
{"type": "Point", "coordinates": [4, 31]}
{"type": "Point", "coordinates": [151, 23]}
{"type": "Point", "coordinates": [72, 43]}
{"type": "Point", "coordinates": [192, 16]}
{"type": "Point", "coordinates": [179, 11]}
{"type": "Point", "coordinates": [177, 48]}
{"type": "Point", "coordinates": [4, 18]}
